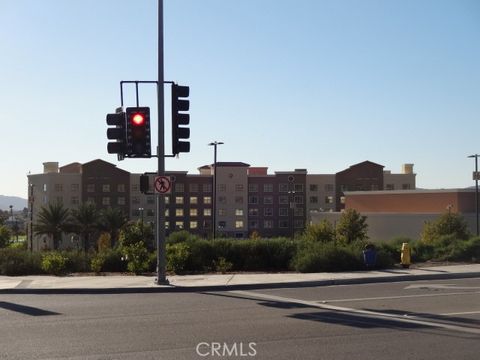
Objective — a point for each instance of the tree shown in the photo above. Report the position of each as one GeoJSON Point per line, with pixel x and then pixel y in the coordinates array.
{"type": "Point", "coordinates": [85, 222]}
{"type": "Point", "coordinates": [352, 226]}
{"type": "Point", "coordinates": [322, 232]}
{"type": "Point", "coordinates": [449, 223]}
{"type": "Point", "coordinates": [112, 220]}
{"type": "Point", "coordinates": [53, 220]}
{"type": "Point", "coordinates": [4, 236]}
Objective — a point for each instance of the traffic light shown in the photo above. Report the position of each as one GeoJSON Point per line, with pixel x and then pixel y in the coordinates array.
{"type": "Point", "coordinates": [144, 184]}
{"type": "Point", "coordinates": [116, 133]}
{"type": "Point", "coordinates": [180, 103]}
{"type": "Point", "coordinates": [138, 141]}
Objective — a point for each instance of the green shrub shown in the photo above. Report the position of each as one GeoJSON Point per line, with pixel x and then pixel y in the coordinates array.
{"type": "Point", "coordinates": [447, 224]}
{"type": "Point", "coordinates": [96, 264]}
{"type": "Point", "coordinates": [222, 265]}
{"type": "Point", "coordinates": [16, 262]}
{"type": "Point", "coordinates": [177, 255]}
{"type": "Point", "coordinates": [320, 257]}
{"type": "Point", "coordinates": [54, 263]}
{"type": "Point", "coordinates": [179, 237]}
{"type": "Point", "coordinates": [137, 257]}
{"type": "Point", "coordinates": [4, 236]}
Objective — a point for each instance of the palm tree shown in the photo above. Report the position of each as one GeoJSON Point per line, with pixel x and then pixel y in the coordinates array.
{"type": "Point", "coordinates": [111, 221]}
{"type": "Point", "coordinates": [53, 220]}
{"type": "Point", "coordinates": [85, 222]}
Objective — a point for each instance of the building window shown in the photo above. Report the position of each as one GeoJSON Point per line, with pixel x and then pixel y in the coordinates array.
{"type": "Point", "coordinates": [267, 187]}
{"type": "Point", "coordinates": [313, 187]}
{"type": "Point", "coordinates": [268, 224]}
{"type": "Point", "coordinates": [222, 187]}
{"type": "Point", "coordinates": [238, 212]}
{"type": "Point", "coordinates": [298, 199]}
{"type": "Point", "coordinates": [374, 187]}
{"type": "Point", "coordinates": [313, 199]}
{"type": "Point", "coordinates": [283, 212]}
{"type": "Point", "coordinates": [179, 225]}
{"type": "Point", "coordinates": [299, 224]}
{"type": "Point", "coordinates": [238, 187]}
{"type": "Point", "coordinates": [238, 199]}
{"type": "Point", "coordinates": [90, 200]}
{"type": "Point", "coordinates": [222, 212]}
{"type": "Point", "coordinates": [167, 200]}
{"type": "Point", "coordinates": [253, 199]}
{"type": "Point", "coordinates": [179, 212]}
{"type": "Point", "coordinates": [207, 212]}
{"type": "Point", "coordinates": [136, 213]}
{"type": "Point", "coordinates": [121, 200]}
{"type": "Point", "coordinates": [298, 211]}
{"type": "Point", "coordinates": [106, 188]}
{"type": "Point", "coordinates": [222, 224]}
{"type": "Point", "coordinates": [167, 212]}
{"type": "Point", "coordinates": [298, 187]}
{"type": "Point", "coordinates": [342, 199]}
{"type": "Point", "coordinates": [150, 212]}
{"type": "Point", "coordinates": [253, 212]}
{"type": "Point", "coordinates": [328, 199]}
{"type": "Point", "coordinates": [252, 187]}
{"type": "Point", "coordinates": [193, 200]}
{"type": "Point", "coordinates": [268, 211]}
{"type": "Point", "coordinates": [390, 187]}
{"type": "Point", "coordinates": [207, 188]}
{"type": "Point", "coordinates": [193, 212]}
{"type": "Point", "coordinates": [193, 188]}
{"type": "Point", "coordinates": [283, 200]}
{"type": "Point", "coordinates": [179, 200]}
{"type": "Point", "coordinates": [135, 200]}
{"type": "Point", "coordinates": [74, 200]}
{"type": "Point", "coordinates": [106, 201]}
{"type": "Point", "coordinates": [207, 224]}
{"type": "Point", "coordinates": [253, 224]}
{"type": "Point", "coordinates": [150, 200]}
{"type": "Point", "coordinates": [329, 187]}
{"type": "Point", "coordinates": [135, 187]}
{"type": "Point", "coordinates": [44, 187]}
{"type": "Point", "coordinates": [268, 200]}
{"type": "Point", "coordinates": [283, 224]}
{"type": "Point", "coordinates": [58, 187]}
{"type": "Point", "coordinates": [239, 224]}
{"type": "Point", "coordinates": [121, 188]}
{"type": "Point", "coordinates": [90, 188]}
{"type": "Point", "coordinates": [406, 187]}
{"type": "Point", "coordinates": [75, 187]}
{"type": "Point", "coordinates": [167, 225]}
{"type": "Point", "coordinates": [222, 199]}
{"type": "Point", "coordinates": [283, 188]}
{"type": "Point", "coordinates": [179, 187]}
{"type": "Point", "coordinates": [193, 224]}
{"type": "Point", "coordinates": [207, 200]}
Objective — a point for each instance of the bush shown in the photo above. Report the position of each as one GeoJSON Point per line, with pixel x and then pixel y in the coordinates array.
{"type": "Point", "coordinates": [137, 257]}
{"type": "Point", "coordinates": [134, 233]}
{"type": "Point", "coordinates": [108, 260]}
{"type": "Point", "coordinates": [16, 262]}
{"type": "Point", "coordinates": [222, 265]}
{"type": "Point", "coordinates": [448, 224]}
{"type": "Point", "coordinates": [320, 257]}
{"type": "Point", "coordinates": [322, 232]}
{"type": "Point", "coordinates": [4, 236]}
{"type": "Point", "coordinates": [177, 256]}
{"type": "Point", "coordinates": [54, 263]}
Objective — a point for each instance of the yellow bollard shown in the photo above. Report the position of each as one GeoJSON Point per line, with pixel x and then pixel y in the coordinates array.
{"type": "Point", "coordinates": [405, 256]}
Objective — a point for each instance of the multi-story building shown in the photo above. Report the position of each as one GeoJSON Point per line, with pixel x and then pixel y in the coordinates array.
{"type": "Point", "coordinates": [248, 199]}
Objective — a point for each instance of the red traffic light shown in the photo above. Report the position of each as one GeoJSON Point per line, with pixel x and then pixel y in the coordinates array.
{"type": "Point", "coordinates": [138, 119]}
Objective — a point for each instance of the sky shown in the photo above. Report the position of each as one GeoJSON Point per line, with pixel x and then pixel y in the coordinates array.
{"type": "Point", "coordinates": [285, 84]}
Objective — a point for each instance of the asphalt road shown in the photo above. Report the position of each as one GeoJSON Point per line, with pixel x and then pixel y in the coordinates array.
{"type": "Point", "coordinates": [404, 320]}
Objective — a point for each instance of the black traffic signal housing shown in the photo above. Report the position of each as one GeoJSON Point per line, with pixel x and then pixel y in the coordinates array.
{"type": "Point", "coordinates": [138, 139]}
{"type": "Point", "coordinates": [144, 184]}
{"type": "Point", "coordinates": [180, 104]}
{"type": "Point", "coordinates": [117, 133]}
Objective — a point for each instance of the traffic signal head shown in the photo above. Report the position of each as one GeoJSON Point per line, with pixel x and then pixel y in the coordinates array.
{"type": "Point", "coordinates": [138, 141]}
{"type": "Point", "coordinates": [180, 104]}
{"type": "Point", "coordinates": [117, 133]}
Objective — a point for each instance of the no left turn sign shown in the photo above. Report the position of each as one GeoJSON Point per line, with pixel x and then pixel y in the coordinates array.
{"type": "Point", "coordinates": [163, 184]}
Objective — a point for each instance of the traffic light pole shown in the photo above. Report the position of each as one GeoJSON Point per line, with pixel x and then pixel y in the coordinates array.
{"type": "Point", "coordinates": [160, 228]}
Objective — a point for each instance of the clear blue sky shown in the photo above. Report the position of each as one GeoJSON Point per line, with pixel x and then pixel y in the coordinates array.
{"type": "Point", "coordinates": [286, 84]}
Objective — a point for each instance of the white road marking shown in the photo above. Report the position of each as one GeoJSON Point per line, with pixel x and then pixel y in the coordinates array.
{"type": "Point", "coordinates": [441, 287]}
{"type": "Point", "coordinates": [399, 297]}
{"type": "Point", "coordinates": [366, 313]}
{"type": "Point", "coordinates": [461, 313]}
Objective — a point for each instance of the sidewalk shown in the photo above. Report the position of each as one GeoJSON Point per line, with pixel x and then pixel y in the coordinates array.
{"type": "Point", "coordinates": [222, 282]}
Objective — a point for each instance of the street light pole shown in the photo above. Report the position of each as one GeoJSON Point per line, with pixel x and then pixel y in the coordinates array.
{"type": "Point", "coordinates": [476, 189]}
{"type": "Point", "coordinates": [214, 217]}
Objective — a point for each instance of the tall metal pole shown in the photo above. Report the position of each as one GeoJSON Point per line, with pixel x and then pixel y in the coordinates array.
{"type": "Point", "coordinates": [160, 228]}
{"type": "Point", "coordinates": [475, 176]}
{"type": "Point", "coordinates": [214, 215]}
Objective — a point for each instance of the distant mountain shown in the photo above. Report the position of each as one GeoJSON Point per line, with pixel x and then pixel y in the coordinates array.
{"type": "Point", "coordinates": [17, 202]}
